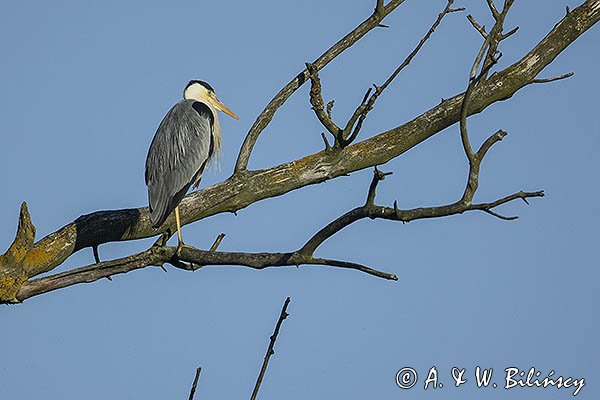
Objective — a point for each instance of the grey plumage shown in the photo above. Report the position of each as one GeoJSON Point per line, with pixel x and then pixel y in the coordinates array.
{"type": "Point", "coordinates": [180, 150]}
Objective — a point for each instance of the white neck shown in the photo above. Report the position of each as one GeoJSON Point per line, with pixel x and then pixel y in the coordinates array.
{"type": "Point", "coordinates": [196, 92]}
{"type": "Point", "coordinates": [200, 93]}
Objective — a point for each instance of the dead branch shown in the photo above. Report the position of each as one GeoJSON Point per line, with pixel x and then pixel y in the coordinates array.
{"type": "Point", "coordinates": [554, 78]}
{"type": "Point", "coordinates": [354, 124]}
{"type": "Point", "coordinates": [479, 28]}
{"type": "Point", "coordinates": [317, 103]}
{"type": "Point", "coordinates": [373, 211]}
{"type": "Point", "coordinates": [496, 35]}
{"type": "Point", "coordinates": [26, 258]}
{"type": "Point", "coordinates": [187, 258]}
{"type": "Point", "coordinates": [195, 384]}
{"type": "Point", "coordinates": [265, 117]}
{"type": "Point", "coordinates": [270, 349]}
{"type": "Point", "coordinates": [270, 352]}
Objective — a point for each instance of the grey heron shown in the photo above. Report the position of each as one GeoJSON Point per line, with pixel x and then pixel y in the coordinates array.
{"type": "Point", "coordinates": [188, 137]}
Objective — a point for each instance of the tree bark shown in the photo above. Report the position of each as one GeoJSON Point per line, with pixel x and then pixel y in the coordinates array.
{"type": "Point", "coordinates": [26, 258]}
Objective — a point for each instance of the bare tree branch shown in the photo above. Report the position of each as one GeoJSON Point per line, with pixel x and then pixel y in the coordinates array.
{"type": "Point", "coordinates": [26, 258]}
{"type": "Point", "coordinates": [355, 122]}
{"type": "Point", "coordinates": [96, 255]}
{"type": "Point", "coordinates": [490, 46]}
{"type": "Point", "coordinates": [270, 349]}
{"type": "Point", "coordinates": [157, 255]}
{"type": "Point", "coordinates": [265, 117]}
{"type": "Point", "coordinates": [493, 9]}
{"type": "Point", "coordinates": [187, 258]}
{"type": "Point", "coordinates": [325, 141]}
{"type": "Point", "coordinates": [496, 35]}
{"type": "Point", "coordinates": [553, 79]}
{"type": "Point", "coordinates": [479, 28]}
{"type": "Point", "coordinates": [217, 242]}
{"type": "Point", "coordinates": [316, 101]}
{"type": "Point", "coordinates": [377, 176]}
{"type": "Point", "coordinates": [195, 384]}
{"type": "Point", "coordinates": [373, 211]}
{"type": "Point", "coordinates": [509, 33]}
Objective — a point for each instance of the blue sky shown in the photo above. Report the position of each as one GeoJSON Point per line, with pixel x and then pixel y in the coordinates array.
{"type": "Point", "coordinates": [86, 85]}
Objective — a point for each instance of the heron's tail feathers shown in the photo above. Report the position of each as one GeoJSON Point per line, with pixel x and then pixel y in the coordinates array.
{"type": "Point", "coordinates": [161, 206]}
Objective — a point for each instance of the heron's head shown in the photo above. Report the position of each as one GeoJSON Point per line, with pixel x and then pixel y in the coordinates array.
{"type": "Point", "coordinates": [203, 92]}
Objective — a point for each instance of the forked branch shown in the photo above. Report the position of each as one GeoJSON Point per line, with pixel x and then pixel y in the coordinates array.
{"type": "Point", "coordinates": [265, 117]}
{"type": "Point", "coordinates": [373, 211]}
{"type": "Point", "coordinates": [26, 258]}
{"type": "Point", "coordinates": [354, 124]}
{"type": "Point", "coordinates": [187, 258]}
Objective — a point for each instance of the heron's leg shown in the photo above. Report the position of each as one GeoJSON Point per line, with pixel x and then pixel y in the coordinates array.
{"type": "Point", "coordinates": [179, 237]}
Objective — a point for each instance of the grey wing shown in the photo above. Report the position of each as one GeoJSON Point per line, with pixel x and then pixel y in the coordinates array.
{"type": "Point", "coordinates": [181, 147]}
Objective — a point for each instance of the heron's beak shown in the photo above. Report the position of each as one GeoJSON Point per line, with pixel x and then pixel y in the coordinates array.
{"type": "Point", "coordinates": [224, 108]}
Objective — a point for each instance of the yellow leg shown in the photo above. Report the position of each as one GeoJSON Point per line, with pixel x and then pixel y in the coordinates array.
{"type": "Point", "coordinates": [178, 226]}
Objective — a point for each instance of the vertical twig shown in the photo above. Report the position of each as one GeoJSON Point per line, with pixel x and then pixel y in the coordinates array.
{"type": "Point", "coordinates": [96, 255]}
{"type": "Point", "coordinates": [270, 350]}
{"type": "Point", "coordinates": [193, 391]}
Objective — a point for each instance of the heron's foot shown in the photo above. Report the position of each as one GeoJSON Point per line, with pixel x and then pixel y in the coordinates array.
{"type": "Point", "coordinates": [162, 239]}
{"type": "Point", "coordinates": [180, 246]}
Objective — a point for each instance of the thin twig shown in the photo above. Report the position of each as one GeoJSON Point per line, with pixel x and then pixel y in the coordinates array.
{"type": "Point", "coordinates": [489, 142]}
{"type": "Point", "coordinates": [493, 9]}
{"type": "Point", "coordinates": [280, 98]}
{"type": "Point", "coordinates": [509, 33]}
{"type": "Point", "coordinates": [519, 195]}
{"type": "Point", "coordinates": [217, 242]}
{"type": "Point", "coordinates": [96, 255]}
{"type": "Point", "coordinates": [363, 108]}
{"type": "Point", "coordinates": [193, 390]}
{"type": "Point", "coordinates": [479, 57]}
{"type": "Point", "coordinates": [489, 47]}
{"type": "Point", "coordinates": [270, 349]}
{"type": "Point", "coordinates": [354, 266]}
{"type": "Point", "coordinates": [97, 258]}
{"type": "Point", "coordinates": [553, 79]}
{"type": "Point", "coordinates": [268, 260]}
{"type": "Point", "coordinates": [496, 34]}
{"type": "Point", "coordinates": [330, 107]}
{"type": "Point", "coordinates": [317, 103]}
{"type": "Point", "coordinates": [479, 28]}
{"type": "Point", "coordinates": [354, 125]}
{"type": "Point", "coordinates": [377, 176]}
{"type": "Point", "coordinates": [194, 266]}
{"type": "Point", "coordinates": [325, 141]}
{"type": "Point", "coordinates": [464, 112]}
{"type": "Point", "coordinates": [500, 216]}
